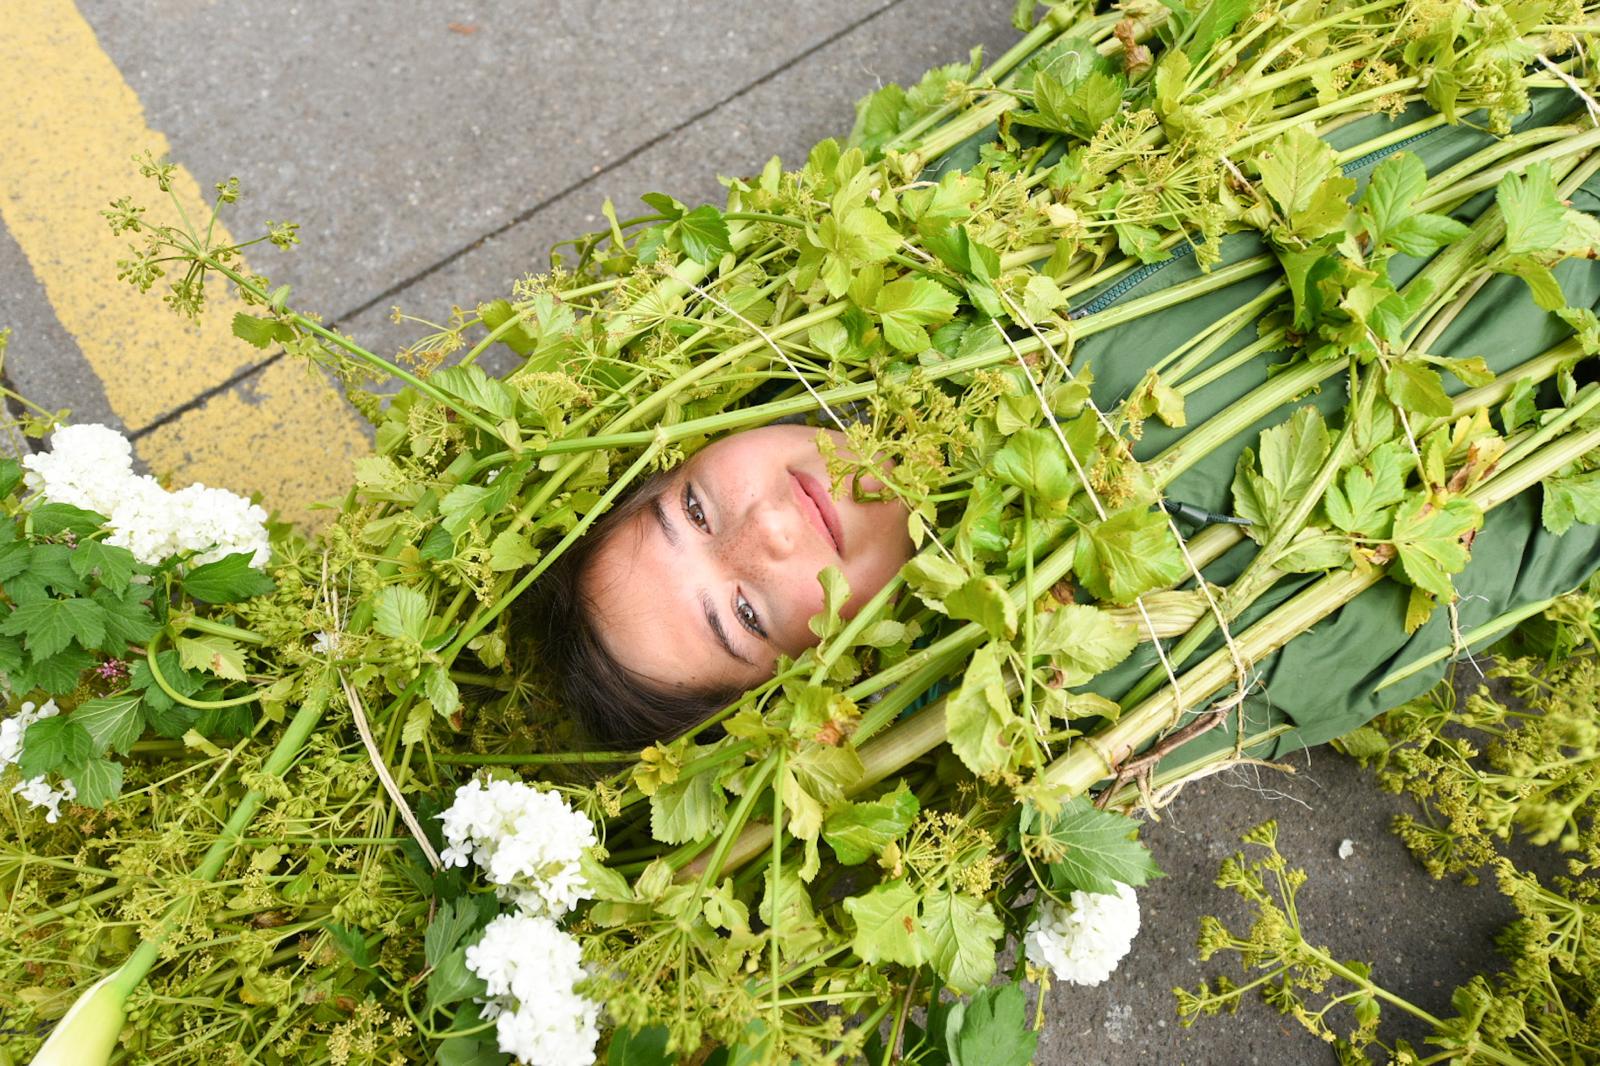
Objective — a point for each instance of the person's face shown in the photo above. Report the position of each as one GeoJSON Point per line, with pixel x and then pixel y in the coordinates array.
{"type": "Point", "coordinates": [708, 584]}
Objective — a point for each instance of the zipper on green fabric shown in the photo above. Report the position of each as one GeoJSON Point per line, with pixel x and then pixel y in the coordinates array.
{"type": "Point", "coordinates": [1139, 275]}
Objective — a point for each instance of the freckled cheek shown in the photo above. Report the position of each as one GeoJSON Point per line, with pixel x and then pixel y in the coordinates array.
{"type": "Point", "coordinates": [804, 599]}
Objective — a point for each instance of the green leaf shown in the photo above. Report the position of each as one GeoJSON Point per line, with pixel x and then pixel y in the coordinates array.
{"type": "Point", "coordinates": [643, 1047]}
{"type": "Point", "coordinates": [402, 613]}
{"type": "Point", "coordinates": [984, 600]}
{"type": "Point", "coordinates": [98, 782]}
{"type": "Point", "coordinates": [933, 577]}
{"type": "Point", "coordinates": [58, 674]}
{"type": "Point", "coordinates": [704, 234]}
{"type": "Point", "coordinates": [1034, 461]}
{"type": "Point", "coordinates": [1387, 208]}
{"type": "Point", "coordinates": [10, 475]}
{"type": "Point", "coordinates": [1541, 280]}
{"type": "Point", "coordinates": [1083, 641]}
{"type": "Point", "coordinates": [453, 920]}
{"type": "Point", "coordinates": [907, 305]}
{"type": "Point", "coordinates": [441, 691]}
{"type": "Point", "coordinates": [961, 934]}
{"type": "Point", "coordinates": [689, 809]}
{"type": "Point", "coordinates": [114, 722]}
{"type": "Point", "coordinates": [1536, 219]}
{"type": "Point", "coordinates": [1294, 167]}
{"type": "Point", "coordinates": [352, 944]}
{"type": "Point", "coordinates": [47, 626]}
{"type": "Point", "coordinates": [519, 338]}
{"type": "Point", "coordinates": [888, 925]}
{"type": "Point", "coordinates": [477, 390]}
{"type": "Point", "coordinates": [979, 714]}
{"type": "Point", "coordinates": [1428, 540]}
{"type": "Point", "coordinates": [1079, 106]}
{"type": "Point", "coordinates": [1521, 406]}
{"type": "Point", "coordinates": [227, 580]}
{"type": "Point", "coordinates": [1571, 499]}
{"type": "Point", "coordinates": [1216, 21]}
{"type": "Point", "coordinates": [114, 566]}
{"type": "Point", "coordinates": [451, 981]}
{"type": "Point", "coordinates": [51, 519]}
{"type": "Point", "coordinates": [1132, 552]}
{"type": "Point", "coordinates": [859, 236]}
{"type": "Point", "coordinates": [991, 1030]}
{"type": "Point", "coordinates": [665, 204]}
{"type": "Point", "coordinates": [1361, 501]}
{"type": "Point", "coordinates": [1101, 848]}
{"type": "Point", "coordinates": [858, 831]}
{"type": "Point", "coordinates": [127, 619]}
{"type": "Point", "coordinates": [511, 550]}
{"type": "Point", "coordinates": [213, 654]}
{"type": "Point", "coordinates": [462, 506]}
{"type": "Point", "coordinates": [1418, 387]}
{"type": "Point", "coordinates": [1291, 454]}
{"type": "Point", "coordinates": [261, 332]}
{"type": "Point", "coordinates": [835, 591]}
{"type": "Point", "coordinates": [52, 744]}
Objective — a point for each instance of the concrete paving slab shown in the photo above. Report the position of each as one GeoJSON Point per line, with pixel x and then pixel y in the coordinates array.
{"type": "Point", "coordinates": [1422, 936]}
{"type": "Point", "coordinates": [784, 116]}
{"type": "Point", "coordinates": [396, 133]}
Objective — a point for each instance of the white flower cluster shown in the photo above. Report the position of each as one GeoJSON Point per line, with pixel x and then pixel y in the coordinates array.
{"type": "Point", "coordinates": [36, 790]}
{"type": "Point", "coordinates": [1084, 941]}
{"type": "Point", "coordinates": [530, 967]}
{"type": "Point", "coordinates": [91, 466]}
{"type": "Point", "coordinates": [529, 843]}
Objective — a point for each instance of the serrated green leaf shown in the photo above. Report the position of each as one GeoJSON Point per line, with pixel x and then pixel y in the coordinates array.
{"type": "Point", "coordinates": [451, 981]}
{"type": "Point", "coordinates": [644, 1047]}
{"type": "Point", "coordinates": [213, 654]}
{"type": "Point", "coordinates": [905, 306]}
{"type": "Point", "coordinates": [1132, 552]}
{"type": "Point", "coordinates": [48, 626]}
{"type": "Point", "coordinates": [452, 921]}
{"type": "Point", "coordinates": [1083, 641]}
{"type": "Point", "coordinates": [127, 619]}
{"type": "Point", "coordinates": [58, 674]}
{"type": "Point", "coordinates": [1427, 538]}
{"type": "Point", "coordinates": [227, 580]}
{"type": "Point", "coordinates": [978, 714]}
{"type": "Point", "coordinates": [992, 1030]}
{"type": "Point", "coordinates": [933, 577]}
{"type": "Point", "coordinates": [1417, 387]}
{"type": "Point", "coordinates": [112, 565]}
{"type": "Point", "coordinates": [1034, 461]}
{"type": "Point", "coordinates": [441, 691]}
{"type": "Point", "coordinates": [960, 935]}
{"type": "Point", "coordinates": [477, 390]}
{"type": "Point", "coordinates": [858, 831]}
{"type": "Point", "coordinates": [52, 744]}
{"type": "Point", "coordinates": [402, 613]}
{"type": "Point", "coordinates": [1536, 219]}
{"type": "Point", "coordinates": [260, 331]}
{"type": "Point", "coordinates": [519, 338]}
{"type": "Point", "coordinates": [1100, 849]}
{"type": "Point", "coordinates": [1571, 499]}
{"type": "Point", "coordinates": [98, 782]}
{"type": "Point", "coordinates": [52, 519]}
{"type": "Point", "coordinates": [689, 809]}
{"type": "Point", "coordinates": [888, 925]}
{"type": "Point", "coordinates": [114, 722]}
{"type": "Point", "coordinates": [1541, 280]}
{"type": "Point", "coordinates": [984, 600]}
{"type": "Point", "coordinates": [704, 234]}
{"type": "Point", "coordinates": [1361, 501]}
{"type": "Point", "coordinates": [1294, 167]}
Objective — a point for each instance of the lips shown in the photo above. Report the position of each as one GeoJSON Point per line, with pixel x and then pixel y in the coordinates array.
{"type": "Point", "coordinates": [818, 508]}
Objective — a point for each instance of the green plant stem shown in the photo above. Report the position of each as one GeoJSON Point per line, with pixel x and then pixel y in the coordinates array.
{"type": "Point", "coordinates": [1494, 627]}
{"type": "Point", "coordinates": [543, 758]}
{"type": "Point", "coordinates": [153, 649]}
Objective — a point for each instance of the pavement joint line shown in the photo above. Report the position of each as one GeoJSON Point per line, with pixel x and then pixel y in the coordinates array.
{"type": "Point", "coordinates": [523, 216]}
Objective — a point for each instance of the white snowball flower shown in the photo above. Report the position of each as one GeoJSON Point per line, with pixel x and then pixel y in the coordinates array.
{"type": "Point", "coordinates": [1083, 942]}
{"type": "Point", "coordinates": [38, 792]}
{"type": "Point", "coordinates": [35, 790]}
{"type": "Point", "coordinates": [12, 729]}
{"type": "Point", "coordinates": [528, 842]}
{"type": "Point", "coordinates": [91, 466]}
{"type": "Point", "coordinates": [530, 967]}
{"type": "Point", "coordinates": [86, 467]}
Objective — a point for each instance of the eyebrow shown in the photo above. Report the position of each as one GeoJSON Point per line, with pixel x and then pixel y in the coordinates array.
{"type": "Point", "coordinates": [669, 530]}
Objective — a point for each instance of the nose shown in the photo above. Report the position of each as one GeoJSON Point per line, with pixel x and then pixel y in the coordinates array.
{"type": "Point", "coordinates": [770, 532]}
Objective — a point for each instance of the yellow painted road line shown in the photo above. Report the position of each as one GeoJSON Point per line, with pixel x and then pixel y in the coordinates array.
{"type": "Point", "coordinates": [70, 127]}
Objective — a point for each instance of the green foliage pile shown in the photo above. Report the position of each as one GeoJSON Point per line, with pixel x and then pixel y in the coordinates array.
{"type": "Point", "coordinates": [796, 887]}
{"type": "Point", "coordinates": [1524, 762]}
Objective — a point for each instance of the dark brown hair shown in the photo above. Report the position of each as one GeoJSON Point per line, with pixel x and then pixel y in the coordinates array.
{"type": "Point", "coordinates": [614, 706]}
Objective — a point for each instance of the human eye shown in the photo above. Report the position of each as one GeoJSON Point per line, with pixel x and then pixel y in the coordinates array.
{"type": "Point", "coordinates": [692, 509]}
{"type": "Point", "coordinates": [747, 616]}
